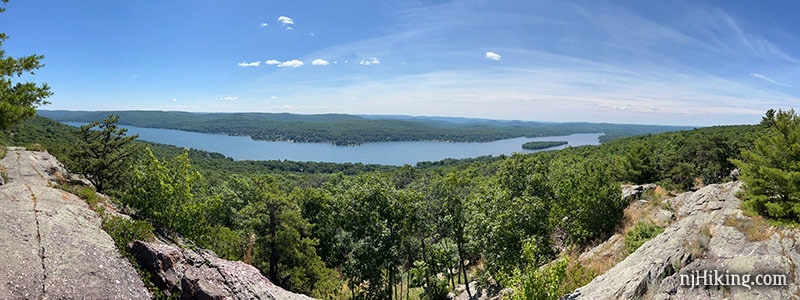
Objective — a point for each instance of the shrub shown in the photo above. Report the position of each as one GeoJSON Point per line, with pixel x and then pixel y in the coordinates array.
{"type": "Point", "coordinates": [35, 147]}
{"type": "Point", "coordinates": [538, 283]}
{"type": "Point", "coordinates": [124, 231]}
{"type": "Point", "coordinates": [437, 291]}
{"type": "Point", "coordinates": [640, 234]}
{"type": "Point", "coordinates": [226, 243]}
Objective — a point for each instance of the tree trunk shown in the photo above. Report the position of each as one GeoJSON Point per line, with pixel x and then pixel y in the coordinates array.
{"type": "Point", "coordinates": [391, 281]}
{"type": "Point", "coordinates": [427, 267]}
{"type": "Point", "coordinates": [450, 274]}
{"type": "Point", "coordinates": [408, 280]}
{"type": "Point", "coordinates": [463, 269]}
{"type": "Point", "coordinates": [273, 246]}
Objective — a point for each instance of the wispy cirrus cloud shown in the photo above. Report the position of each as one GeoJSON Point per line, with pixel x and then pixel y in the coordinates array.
{"type": "Point", "coordinates": [763, 77]}
{"type": "Point", "coordinates": [641, 68]}
{"type": "Point", "coordinates": [246, 64]}
{"type": "Point", "coordinates": [272, 62]}
{"type": "Point", "coordinates": [264, 24]}
{"type": "Point", "coordinates": [229, 98]}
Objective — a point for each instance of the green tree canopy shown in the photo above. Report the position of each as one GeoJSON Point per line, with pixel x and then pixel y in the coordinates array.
{"type": "Point", "coordinates": [771, 169]}
{"type": "Point", "coordinates": [19, 100]}
{"type": "Point", "coordinates": [162, 192]}
{"type": "Point", "coordinates": [104, 156]}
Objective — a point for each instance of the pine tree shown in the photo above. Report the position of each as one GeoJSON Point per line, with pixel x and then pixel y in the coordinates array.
{"type": "Point", "coordinates": [19, 100]}
{"type": "Point", "coordinates": [771, 169]}
{"type": "Point", "coordinates": [104, 156]}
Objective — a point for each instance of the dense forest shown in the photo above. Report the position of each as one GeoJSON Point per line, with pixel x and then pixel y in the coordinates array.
{"type": "Point", "coordinates": [342, 129]}
{"type": "Point", "coordinates": [344, 231]}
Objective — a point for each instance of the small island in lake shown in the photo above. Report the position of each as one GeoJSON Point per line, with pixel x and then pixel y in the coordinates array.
{"type": "Point", "coordinates": [542, 145]}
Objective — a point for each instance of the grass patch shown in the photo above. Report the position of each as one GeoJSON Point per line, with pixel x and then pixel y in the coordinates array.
{"type": "Point", "coordinates": [638, 212]}
{"type": "Point", "coordinates": [606, 258]}
{"type": "Point", "coordinates": [699, 246]}
{"type": "Point", "coordinates": [657, 197]}
{"type": "Point", "coordinates": [88, 194]}
{"type": "Point", "coordinates": [640, 234]}
{"type": "Point", "coordinates": [3, 152]}
{"type": "Point", "coordinates": [579, 274]}
{"type": "Point", "coordinates": [755, 229]}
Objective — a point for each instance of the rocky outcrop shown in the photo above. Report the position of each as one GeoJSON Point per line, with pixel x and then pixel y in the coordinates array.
{"type": "Point", "coordinates": [710, 234]}
{"type": "Point", "coordinates": [52, 243]}
{"type": "Point", "coordinates": [635, 191]}
{"type": "Point", "coordinates": [202, 275]}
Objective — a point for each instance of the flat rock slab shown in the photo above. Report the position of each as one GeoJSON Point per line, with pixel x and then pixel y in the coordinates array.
{"type": "Point", "coordinates": [53, 246]}
{"type": "Point", "coordinates": [21, 274]}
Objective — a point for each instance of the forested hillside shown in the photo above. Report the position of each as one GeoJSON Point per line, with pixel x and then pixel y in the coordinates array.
{"type": "Point", "coordinates": [383, 232]}
{"type": "Point", "coordinates": [352, 130]}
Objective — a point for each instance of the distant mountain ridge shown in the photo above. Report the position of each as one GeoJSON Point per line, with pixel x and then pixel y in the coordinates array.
{"type": "Point", "coordinates": [344, 129]}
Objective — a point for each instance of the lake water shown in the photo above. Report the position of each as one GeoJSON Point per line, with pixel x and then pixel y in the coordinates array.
{"type": "Point", "coordinates": [385, 153]}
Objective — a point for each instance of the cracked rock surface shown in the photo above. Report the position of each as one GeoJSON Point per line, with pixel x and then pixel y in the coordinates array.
{"type": "Point", "coordinates": [710, 233]}
{"type": "Point", "coordinates": [52, 243]}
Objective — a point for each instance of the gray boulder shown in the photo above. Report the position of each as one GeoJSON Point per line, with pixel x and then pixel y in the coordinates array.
{"type": "Point", "coordinates": [53, 246]}
{"type": "Point", "coordinates": [202, 275]}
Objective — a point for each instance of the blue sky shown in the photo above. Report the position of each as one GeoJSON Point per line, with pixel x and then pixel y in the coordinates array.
{"type": "Point", "coordinates": [647, 62]}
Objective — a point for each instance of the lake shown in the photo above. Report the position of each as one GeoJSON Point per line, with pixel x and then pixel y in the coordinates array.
{"type": "Point", "coordinates": [385, 153]}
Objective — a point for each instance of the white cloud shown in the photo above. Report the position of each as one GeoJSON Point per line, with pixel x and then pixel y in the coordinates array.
{"type": "Point", "coordinates": [761, 76]}
{"type": "Point", "coordinates": [273, 97]}
{"type": "Point", "coordinates": [320, 62]}
{"type": "Point", "coordinates": [245, 64]}
{"type": "Point", "coordinates": [229, 98]}
{"type": "Point", "coordinates": [493, 56]}
{"type": "Point", "coordinates": [289, 28]}
{"type": "Point", "coordinates": [173, 99]}
{"type": "Point", "coordinates": [263, 24]}
{"type": "Point", "coordinates": [286, 20]}
{"type": "Point", "coordinates": [371, 61]}
{"type": "Point", "coordinates": [272, 62]}
{"type": "Point", "coordinates": [291, 64]}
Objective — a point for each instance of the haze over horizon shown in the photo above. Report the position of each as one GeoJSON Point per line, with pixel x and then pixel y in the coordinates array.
{"type": "Point", "coordinates": [693, 63]}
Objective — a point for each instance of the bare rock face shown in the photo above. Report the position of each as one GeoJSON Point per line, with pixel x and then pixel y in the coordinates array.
{"type": "Point", "coordinates": [635, 191]}
{"type": "Point", "coordinates": [202, 275]}
{"type": "Point", "coordinates": [52, 243]}
{"type": "Point", "coordinates": [710, 234]}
